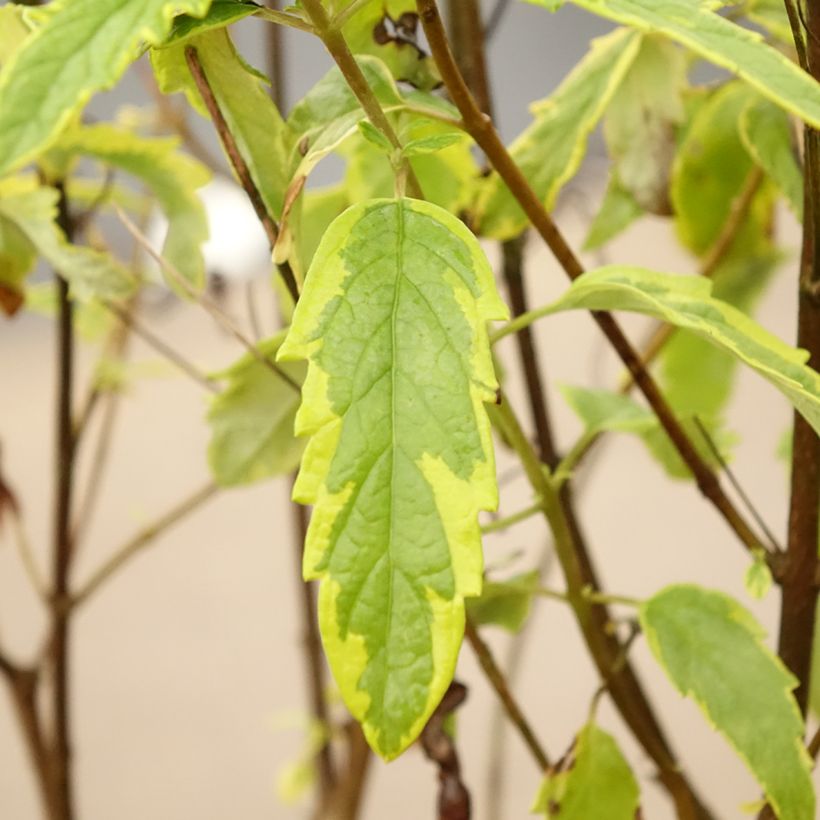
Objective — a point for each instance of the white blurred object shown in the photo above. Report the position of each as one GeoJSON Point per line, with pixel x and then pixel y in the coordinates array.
{"type": "Point", "coordinates": [237, 248]}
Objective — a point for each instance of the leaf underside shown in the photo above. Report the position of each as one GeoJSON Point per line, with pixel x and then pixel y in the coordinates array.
{"type": "Point", "coordinates": [393, 323]}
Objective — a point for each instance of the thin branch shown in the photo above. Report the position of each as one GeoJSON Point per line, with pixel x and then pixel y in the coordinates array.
{"type": "Point", "coordinates": [799, 590]}
{"type": "Point", "coordinates": [27, 558]}
{"type": "Point", "coordinates": [482, 130]}
{"type": "Point", "coordinates": [794, 15]}
{"type": "Point", "coordinates": [440, 748]}
{"type": "Point", "coordinates": [628, 693]}
{"type": "Point", "coordinates": [314, 661]}
{"type": "Point", "coordinates": [738, 487]}
{"type": "Point", "coordinates": [510, 520]}
{"type": "Point", "coordinates": [606, 651]}
{"type": "Point", "coordinates": [144, 538]}
{"type": "Point", "coordinates": [62, 548]}
{"type": "Point", "coordinates": [496, 678]}
{"type": "Point", "coordinates": [243, 173]}
{"type": "Point", "coordinates": [738, 212]}
{"type": "Point", "coordinates": [342, 56]}
{"type": "Point", "coordinates": [222, 319]}
{"type": "Point", "coordinates": [165, 350]}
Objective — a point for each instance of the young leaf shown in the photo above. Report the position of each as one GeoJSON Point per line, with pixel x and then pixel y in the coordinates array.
{"type": "Point", "coordinates": [375, 137]}
{"type": "Point", "coordinates": [713, 652]}
{"type": "Point", "coordinates": [253, 119]}
{"type": "Point", "coordinates": [172, 176]}
{"type": "Point", "coordinates": [758, 578]}
{"type": "Point", "coordinates": [80, 47]}
{"type": "Point", "coordinates": [593, 782]}
{"type": "Point", "coordinates": [767, 136]}
{"type": "Point", "coordinates": [430, 145]}
{"type": "Point", "coordinates": [33, 212]}
{"type": "Point", "coordinates": [550, 150]}
{"type": "Point", "coordinates": [686, 302]}
{"type": "Point", "coordinates": [252, 420]}
{"type": "Point", "coordinates": [330, 112]}
{"type": "Point", "coordinates": [505, 603]}
{"type": "Point", "coordinates": [393, 322]}
{"type": "Point", "coordinates": [640, 122]}
{"type": "Point", "coordinates": [739, 50]}
{"type": "Point", "coordinates": [447, 176]}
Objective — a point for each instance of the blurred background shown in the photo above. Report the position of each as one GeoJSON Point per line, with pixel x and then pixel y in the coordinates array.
{"type": "Point", "coordinates": [189, 689]}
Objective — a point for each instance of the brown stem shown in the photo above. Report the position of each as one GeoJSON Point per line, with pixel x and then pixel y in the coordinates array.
{"type": "Point", "coordinates": [440, 748]}
{"type": "Point", "coordinates": [23, 688]}
{"type": "Point", "coordinates": [335, 43]}
{"type": "Point", "coordinates": [593, 621]}
{"type": "Point", "coordinates": [799, 590]}
{"type": "Point", "coordinates": [276, 61]}
{"type": "Point", "coordinates": [496, 678]}
{"type": "Point", "coordinates": [625, 688]}
{"type": "Point", "coordinates": [59, 649]}
{"type": "Point", "coordinates": [238, 162]}
{"type": "Point", "coordinates": [481, 129]}
{"type": "Point", "coordinates": [314, 662]}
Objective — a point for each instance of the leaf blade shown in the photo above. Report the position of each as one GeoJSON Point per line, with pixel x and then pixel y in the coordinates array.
{"type": "Point", "coordinates": [81, 46]}
{"type": "Point", "coordinates": [712, 650]}
{"type": "Point", "coordinates": [395, 304]}
{"type": "Point", "coordinates": [739, 50]}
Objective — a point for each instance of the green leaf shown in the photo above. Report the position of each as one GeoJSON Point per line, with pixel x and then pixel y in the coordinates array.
{"type": "Point", "coordinates": [221, 14]}
{"type": "Point", "coordinates": [81, 46]}
{"type": "Point", "coordinates": [330, 112]}
{"type": "Point", "coordinates": [617, 212]}
{"type": "Point", "coordinates": [713, 652]}
{"type": "Point", "coordinates": [767, 136]}
{"type": "Point", "coordinates": [758, 579]}
{"type": "Point", "coordinates": [430, 145]}
{"type": "Point", "coordinates": [33, 211]}
{"type": "Point", "coordinates": [320, 207]}
{"type": "Point", "coordinates": [698, 377]}
{"type": "Point", "coordinates": [173, 178]}
{"type": "Point", "coordinates": [505, 603]}
{"type": "Point", "coordinates": [252, 420]}
{"type": "Point", "coordinates": [253, 119]}
{"type": "Point", "coordinates": [13, 31]}
{"type": "Point", "coordinates": [549, 151]}
{"type": "Point", "coordinates": [641, 120]}
{"type": "Point", "coordinates": [375, 137]}
{"type": "Point", "coordinates": [447, 176]}
{"type": "Point", "coordinates": [388, 29]}
{"type": "Point", "coordinates": [393, 321]}
{"type": "Point", "coordinates": [601, 410]}
{"type": "Point", "coordinates": [711, 168]}
{"type": "Point", "coordinates": [686, 301]}
{"type": "Point", "coordinates": [739, 50]}
{"type": "Point", "coordinates": [593, 782]}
